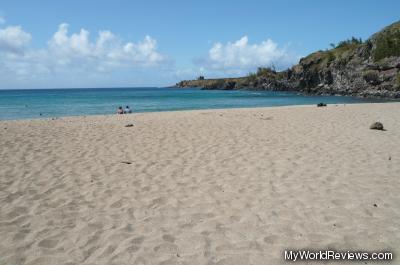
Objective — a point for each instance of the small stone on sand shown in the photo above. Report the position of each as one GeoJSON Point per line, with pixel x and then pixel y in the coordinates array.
{"type": "Point", "coordinates": [376, 126]}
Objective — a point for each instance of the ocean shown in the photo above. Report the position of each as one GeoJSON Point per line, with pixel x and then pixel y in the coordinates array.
{"type": "Point", "coordinates": [42, 103]}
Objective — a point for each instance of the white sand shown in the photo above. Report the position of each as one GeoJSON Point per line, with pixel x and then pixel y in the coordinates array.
{"type": "Point", "coordinates": [203, 187]}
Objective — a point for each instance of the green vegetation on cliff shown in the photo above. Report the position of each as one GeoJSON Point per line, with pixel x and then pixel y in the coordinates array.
{"type": "Point", "coordinates": [398, 80]}
{"type": "Point", "coordinates": [263, 72]}
{"type": "Point", "coordinates": [340, 53]}
{"type": "Point", "coordinates": [387, 42]}
{"type": "Point", "coordinates": [371, 76]}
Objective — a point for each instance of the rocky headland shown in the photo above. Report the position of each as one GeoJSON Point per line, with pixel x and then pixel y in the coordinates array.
{"type": "Point", "coordinates": [353, 67]}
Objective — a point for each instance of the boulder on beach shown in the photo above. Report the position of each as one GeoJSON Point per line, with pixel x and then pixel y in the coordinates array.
{"type": "Point", "coordinates": [376, 126]}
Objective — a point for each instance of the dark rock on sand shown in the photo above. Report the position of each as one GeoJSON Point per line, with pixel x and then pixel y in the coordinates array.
{"type": "Point", "coordinates": [321, 104]}
{"type": "Point", "coordinates": [376, 126]}
{"type": "Point", "coordinates": [129, 125]}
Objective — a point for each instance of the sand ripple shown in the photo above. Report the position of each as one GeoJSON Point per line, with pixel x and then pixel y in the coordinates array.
{"type": "Point", "coordinates": [199, 187]}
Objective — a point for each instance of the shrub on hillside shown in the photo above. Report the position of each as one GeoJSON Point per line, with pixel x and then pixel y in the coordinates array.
{"type": "Point", "coordinates": [349, 42]}
{"type": "Point", "coordinates": [371, 77]}
{"type": "Point", "coordinates": [387, 44]}
{"type": "Point", "coordinates": [219, 83]}
{"type": "Point", "coordinates": [266, 71]}
{"type": "Point", "coordinates": [251, 77]}
{"type": "Point", "coordinates": [398, 80]}
{"type": "Point", "coordinates": [330, 57]}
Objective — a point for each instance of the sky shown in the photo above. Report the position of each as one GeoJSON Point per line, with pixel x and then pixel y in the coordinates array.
{"type": "Point", "coordinates": [121, 43]}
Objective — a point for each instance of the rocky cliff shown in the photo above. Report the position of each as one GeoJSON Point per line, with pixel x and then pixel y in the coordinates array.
{"type": "Point", "coordinates": [353, 67]}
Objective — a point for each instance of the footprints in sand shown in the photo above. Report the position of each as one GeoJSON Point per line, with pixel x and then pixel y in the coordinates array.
{"type": "Point", "coordinates": [221, 190]}
{"type": "Point", "coordinates": [21, 234]}
{"type": "Point", "coordinates": [168, 238]}
{"type": "Point", "coordinates": [138, 240]}
{"type": "Point", "coordinates": [272, 239]}
{"type": "Point", "coordinates": [117, 204]}
{"type": "Point", "coordinates": [17, 211]}
{"type": "Point", "coordinates": [48, 243]}
{"type": "Point", "coordinates": [108, 251]}
{"type": "Point", "coordinates": [168, 248]}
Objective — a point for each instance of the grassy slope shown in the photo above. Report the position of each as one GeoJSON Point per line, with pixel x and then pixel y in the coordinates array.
{"type": "Point", "coordinates": [387, 42]}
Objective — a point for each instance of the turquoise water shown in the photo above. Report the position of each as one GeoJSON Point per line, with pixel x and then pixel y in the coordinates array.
{"type": "Point", "coordinates": [37, 103]}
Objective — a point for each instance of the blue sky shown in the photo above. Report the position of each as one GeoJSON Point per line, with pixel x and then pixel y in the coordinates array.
{"type": "Point", "coordinates": [157, 43]}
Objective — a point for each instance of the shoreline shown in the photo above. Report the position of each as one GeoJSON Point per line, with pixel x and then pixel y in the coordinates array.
{"type": "Point", "coordinates": [194, 110]}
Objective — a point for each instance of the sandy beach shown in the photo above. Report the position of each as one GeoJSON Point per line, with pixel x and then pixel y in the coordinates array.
{"type": "Point", "coordinates": [235, 186]}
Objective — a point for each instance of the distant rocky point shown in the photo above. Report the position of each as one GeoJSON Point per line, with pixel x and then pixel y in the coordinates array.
{"type": "Point", "coordinates": [352, 67]}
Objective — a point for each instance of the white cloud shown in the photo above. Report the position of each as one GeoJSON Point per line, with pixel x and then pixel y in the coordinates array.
{"type": "Point", "coordinates": [74, 45]}
{"type": "Point", "coordinates": [241, 56]}
{"type": "Point", "coordinates": [73, 56]}
{"type": "Point", "coordinates": [13, 39]}
{"type": "Point", "coordinates": [107, 49]}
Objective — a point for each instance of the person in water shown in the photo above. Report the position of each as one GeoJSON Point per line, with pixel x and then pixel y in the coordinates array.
{"type": "Point", "coordinates": [120, 110]}
{"type": "Point", "coordinates": [127, 110]}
